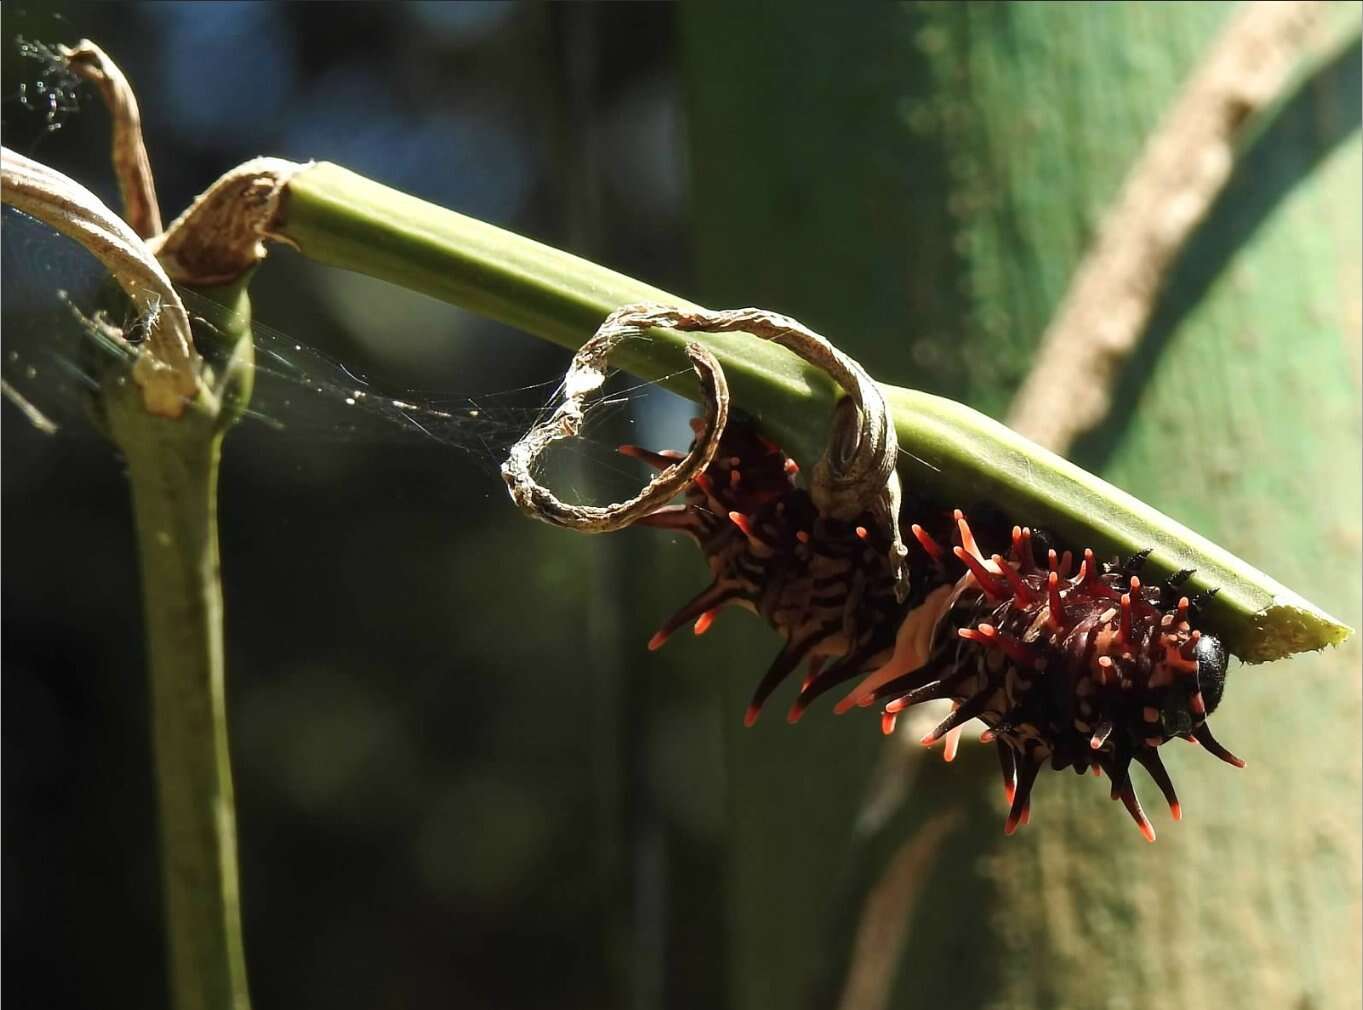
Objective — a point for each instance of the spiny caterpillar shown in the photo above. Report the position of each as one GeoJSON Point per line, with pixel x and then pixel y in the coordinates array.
{"type": "Point", "coordinates": [1088, 669]}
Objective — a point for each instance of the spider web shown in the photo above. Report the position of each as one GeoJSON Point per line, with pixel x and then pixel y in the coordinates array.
{"type": "Point", "coordinates": [302, 397]}
{"type": "Point", "coordinates": [40, 94]}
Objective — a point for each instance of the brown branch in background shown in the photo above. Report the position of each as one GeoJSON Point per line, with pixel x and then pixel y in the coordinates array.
{"type": "Point", "coordinates": [131, 164]}
{"type": "Point", "coordinates": [884, 927]}
{"type": "Point", "coordinates": [1178, 176]}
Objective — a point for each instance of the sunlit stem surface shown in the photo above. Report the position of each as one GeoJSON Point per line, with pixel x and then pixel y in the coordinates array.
{"type": "Point", "coordinates": [949, 451]}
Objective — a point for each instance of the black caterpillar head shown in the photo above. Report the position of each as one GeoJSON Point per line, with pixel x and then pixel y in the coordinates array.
{"type": "Point", "coordinates": [1211, 670]}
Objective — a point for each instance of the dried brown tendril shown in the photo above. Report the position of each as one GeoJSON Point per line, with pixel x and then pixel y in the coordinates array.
{"type": "Point", "coordinates": [167, 369]}
{"type": "Point", "coordinates": [585, 375]}
{"type": "Point", "coordinates": [132, 167]}
{"type": "Point", "coordinates": [856, 473]}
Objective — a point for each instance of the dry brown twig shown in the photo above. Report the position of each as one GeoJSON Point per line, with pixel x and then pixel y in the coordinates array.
{"type": "Point", "coordinates": [584, 377]}
{"type": "Point", "coordinates": [883, 931]}
{"type": "Point", "coordinates": [132, 167]}
{"type": "Point", "coordinates": [167, 368]}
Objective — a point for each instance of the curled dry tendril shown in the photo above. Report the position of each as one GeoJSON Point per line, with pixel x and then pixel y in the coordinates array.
{"type": "Point", "coordinates": [855, 475]}
{"type": "Point", "coordinates": [585, 375]}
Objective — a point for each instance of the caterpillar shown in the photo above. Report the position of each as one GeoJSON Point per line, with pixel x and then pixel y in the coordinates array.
{"type": "Point", "coordinates": [1082, 667]}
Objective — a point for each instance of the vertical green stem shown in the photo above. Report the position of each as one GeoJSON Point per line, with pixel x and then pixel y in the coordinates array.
{"type": "Point", "coordinates": [173, 469]}
{"type": "Point", "coordinates": [174, 490]}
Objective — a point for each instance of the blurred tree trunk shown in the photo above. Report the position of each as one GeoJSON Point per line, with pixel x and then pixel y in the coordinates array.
{"type": "Point", "coordinates": [919, 184]}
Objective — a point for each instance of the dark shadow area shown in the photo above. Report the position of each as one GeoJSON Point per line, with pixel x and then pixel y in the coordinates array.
{"type": "Point", "coordinates": [1324, 112]}
{"type": "Point", "coordinates": [939, 815]}
{"type": "Point", "coordinates": [454, 786]}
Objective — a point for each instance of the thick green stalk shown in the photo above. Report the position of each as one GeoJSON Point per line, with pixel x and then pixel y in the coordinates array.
{"type": "Point", "coordinates": [173, 471]}
{"type": "Point", "coordinates": [342, 219]}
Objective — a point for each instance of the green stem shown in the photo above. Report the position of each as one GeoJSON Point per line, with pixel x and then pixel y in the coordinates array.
{"type": "Point", "coordinates": [342, 219]}
{"type": "Point", "coordinates": [173, 472]}
{"type": "Point", "coordinates": [339, 218]}
{"type": "Point", "coordinates": [174, 499]}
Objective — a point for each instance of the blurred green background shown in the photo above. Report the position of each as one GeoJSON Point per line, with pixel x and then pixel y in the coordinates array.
{"type": "Point", "coordinates": [461, 778]}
